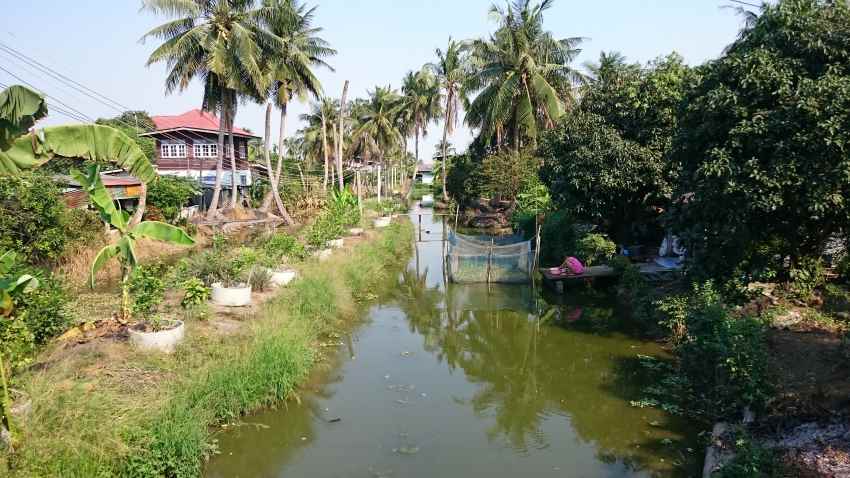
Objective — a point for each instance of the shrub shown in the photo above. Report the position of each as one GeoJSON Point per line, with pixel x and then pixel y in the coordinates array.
{"type": "Point", "coordinates": [750, 460]}
{"type": "Point", "coordinates": [17, 342]}
{"type": "Point", "coordinates": [344, 208]}
{"type": "Point", "coordinates": [260, 279]}
{"type": "Point", "coordinates": [326, 228]}
{"type": "Point", "coordinates": [843, 269]}
{"type": "Point", "coordinates": [806, 277]}
{"type": "Point", "coordinates": [557, 238]}
{"type": "Point", "coordinates": [169, 194]}
{"type": "Point", "coordinates": [595, 248]}
{"type": "Point", "coordinates": [723, 356]}
{"type": "Point", "coordinates": [32, 217]}
{"type": "Point", "coordinates": [279, 246]}
{"type": "Point", "coordinates": [82, 227]}
{"type": "Point", "coordinates": [195, 293]}
{"type": "Point", "coordinates": [147, 288]}
{"type": "Point", "coordinates": [44, 309]}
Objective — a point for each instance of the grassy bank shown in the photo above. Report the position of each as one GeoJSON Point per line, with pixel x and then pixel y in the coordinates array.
{"type": "Point", "coordinates": [105, 409]}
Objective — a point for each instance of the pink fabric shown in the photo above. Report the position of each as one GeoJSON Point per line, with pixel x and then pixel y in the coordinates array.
{"type": "Point", "coordinates": [574, 265]}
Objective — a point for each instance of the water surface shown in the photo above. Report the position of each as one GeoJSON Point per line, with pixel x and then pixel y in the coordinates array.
{"type": "Point", "coordinates": [446, 380]}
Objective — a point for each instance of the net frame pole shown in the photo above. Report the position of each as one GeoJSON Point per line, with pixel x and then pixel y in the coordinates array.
{"type": "Point", "coordinates": [489, 261]}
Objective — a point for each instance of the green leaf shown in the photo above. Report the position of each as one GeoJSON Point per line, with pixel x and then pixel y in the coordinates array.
{"type": "Point", "coordinates": [102, 258]}
{"type": "Point", "coordinates": [91, 141]}
{"type": "Point", "coordinates": [100, 197]}
{"type": "Point", "coordinates": [161, 231]}
{"type": "Point", "coordinates": [20, 108]}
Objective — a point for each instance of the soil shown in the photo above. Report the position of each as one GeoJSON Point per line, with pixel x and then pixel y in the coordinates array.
{"type": "Point", "coordinates": [809, 420]}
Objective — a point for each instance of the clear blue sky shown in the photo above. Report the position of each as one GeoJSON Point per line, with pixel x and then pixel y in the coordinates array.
{"type": "Point", "coordinates": [96, 42]}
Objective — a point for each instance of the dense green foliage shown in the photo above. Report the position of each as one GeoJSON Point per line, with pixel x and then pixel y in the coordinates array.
{"type": "Point", "coordinates": [35, 222]}
{"type": "Point", "coordinates": [169, 194]}
{"type": "Point", "coordinates": [607, 162]}
{"type": "Point", "coordinates": [147, 288]}
{"type": "Point", "coordinates": [762, 140]}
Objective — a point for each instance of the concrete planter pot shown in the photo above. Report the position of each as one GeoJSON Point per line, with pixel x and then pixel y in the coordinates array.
{"type": "Point", "coordinates": [161, 341]}
{"type": "Point", "coordinates": [382, 222]}
{"type": "Point", "coordinates": [231, 296]}
{"type": "Point", "coordinates": [336, 243]}
{"type": "Point", "coordinates": [282, 278]}
{"type": "Point", "coordinates": [355, 231]}
{"type": "Point", "coordinates": [323, 255]}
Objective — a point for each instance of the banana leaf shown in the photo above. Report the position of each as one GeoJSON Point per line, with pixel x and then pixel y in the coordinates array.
{"type": "Point", "coordinates": [100, 197]}
{"type": "Point", "coordinates": [90, 141]}
{"type": "Point", "coordinates": [102, 258]}
{"type": "Point", "coordinates": [20, 108]}
{"type": "Point", "coordinates": [161, 231]}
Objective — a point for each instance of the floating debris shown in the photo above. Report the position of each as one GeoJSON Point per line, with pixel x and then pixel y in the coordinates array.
{"type": "Point", "coordinates": [334, 420]}
{"type": "Point", "coordinates": [402, 402]}
{"type": "Point", "coordinates": [406, 450]}
{"type": "Point", "coordinates": [406, 354]}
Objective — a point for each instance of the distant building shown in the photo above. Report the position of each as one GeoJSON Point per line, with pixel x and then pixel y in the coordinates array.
{"type": "Point", "coordinates": [425, 173]}
{"type": "Point", "coordinates": [187, 146]}
{"type": "Point", "coordinates": [122, 187]}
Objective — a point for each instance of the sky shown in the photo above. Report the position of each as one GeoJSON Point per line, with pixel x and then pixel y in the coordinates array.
{"type": "Point", "coordinates": [96, 43]}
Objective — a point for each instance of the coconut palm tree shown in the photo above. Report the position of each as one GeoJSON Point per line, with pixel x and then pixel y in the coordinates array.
{"type": "Point", "coordinates": [378, 129]}
{"type": "Point", "coordinates": [521, 74]}
{"type": "Point", "coordinates": [321, 133]}
{"type": "Point", "coordinates": [450, 70]}
{"type": "Point", "coordinates": [290, 68]}
{"type": "Point", "coordinates": [218, 42]}
{"type": "Point", "coordinates": [419, 107]}
{"type": "Point", "coordinates": [608, 63]}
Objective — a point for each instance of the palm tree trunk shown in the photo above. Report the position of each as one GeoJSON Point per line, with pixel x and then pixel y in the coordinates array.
{"type": "Point", "coordinates": [445, 155]}
{"type": "Point", "coordinates": [276, 180]}
{"type": "Point", "coordinates": [234, 184]}
{"type": "Point", "coordinates": [341, 133]}
{"type": "Point", "coordinates": [415, 165]}
{"type": "Point", "coordinates": [325, 146]}
{"type": "Point", "coordinates": [219, 170]}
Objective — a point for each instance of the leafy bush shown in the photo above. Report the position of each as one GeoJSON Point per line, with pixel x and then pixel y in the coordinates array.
{"type": "Point", "coordinates": [169, 194]}
{"type": "Point", "coordinates": [195, 293]}
{"type": "Point", "coordinates": [326, 228]}
{"type": "Point", "coordinates": [278, 246]}
{"type": "Point", "coordinates": [595, 248]}
{"type": "Point", "coordinates": [751, 460]}
{"type": "Point", "coordinates": [32, 218]}
{"type": "Point", "coordinates": [843, 269]}
{"type": "Point", "coordinates": [507, 173]}
{"type": "Point", "coordinates": [147, 288]}
{"type": "Point", "coordinates": [44, 309]}
{"type": "Point", "coordinates": [463, 179]}
{"type": "Point", "coordinates": [807, 276]}
{"type": "Point", "coordinates": [558, 238]}
{"type": "Point", "coordinates": [344, 208]}
{"type": "Point", "coordinates": [17, 342]}
{"type": "Point", "coordinates": [723, 356]}
{"type": "Point", "coordinates": [260, 279]}
{"type": "Point", "coordinates": [82, 228]}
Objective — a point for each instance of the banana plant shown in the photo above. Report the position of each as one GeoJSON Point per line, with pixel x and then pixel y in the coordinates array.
{"type": "Point", "coordinates": [123, 249]}
{"type": "Point", "coordinates": [24, 148]}
{"type": "Point", "coordinates": [10, 284]}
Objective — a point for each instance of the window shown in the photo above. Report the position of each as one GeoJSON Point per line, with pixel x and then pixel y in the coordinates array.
{"type": "Point", "coordinates": [206, 150]}
{"type": "Point", "coordinates": [173, 150]}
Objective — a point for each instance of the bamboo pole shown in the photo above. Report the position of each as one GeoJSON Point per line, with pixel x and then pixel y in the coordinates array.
{"type": "Point", "coordinates": [489, 260]}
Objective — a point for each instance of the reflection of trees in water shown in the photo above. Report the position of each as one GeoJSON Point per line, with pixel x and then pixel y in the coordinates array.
{"type": "Point", "coordinates": [527, 371]}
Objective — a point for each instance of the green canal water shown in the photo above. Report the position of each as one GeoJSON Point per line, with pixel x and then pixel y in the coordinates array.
{"type": "Point", "coordinates": [446, 380]}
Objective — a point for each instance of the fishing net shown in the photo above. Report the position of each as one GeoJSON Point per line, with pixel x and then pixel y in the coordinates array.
{"type": "Point", "coordinates": [472, 259]}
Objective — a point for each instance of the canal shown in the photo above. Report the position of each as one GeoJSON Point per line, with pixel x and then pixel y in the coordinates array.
{"type": "Point", "coordinates": [446, 380]}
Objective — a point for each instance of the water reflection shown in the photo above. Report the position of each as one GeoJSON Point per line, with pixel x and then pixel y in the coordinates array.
{"type": "Point", "coordinates": [450, 380]}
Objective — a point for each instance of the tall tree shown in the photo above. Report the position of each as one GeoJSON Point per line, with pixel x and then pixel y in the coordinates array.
{"type": "Point", "coordinates": [420, 106]}
{"type": "Point", "coordinates": [451, 73]}
{"type": "Point", "coordinates": [216, 41]}
{"type": "Point", "coordinates": [378, 128]}
{"type": "Point", "coordinates": [522, 75]}
{"type": "Point", "coordinates": [291, 62]}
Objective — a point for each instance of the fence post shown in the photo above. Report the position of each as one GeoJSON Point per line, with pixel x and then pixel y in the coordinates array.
{"type": "Point", "coordinates": [489, 261]}
{"type": "Point", "coordinates": [537, 251]}
{"type": "Point", "coordinates": [420, 227]}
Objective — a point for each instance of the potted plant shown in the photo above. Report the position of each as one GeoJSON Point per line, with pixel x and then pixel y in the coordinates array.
{"type": "Point", "coordinates": [157, 333]}
{"type": "Point", "coordinates": [232, 288]}
{"type": "Point", "coordinates": [124, 248]}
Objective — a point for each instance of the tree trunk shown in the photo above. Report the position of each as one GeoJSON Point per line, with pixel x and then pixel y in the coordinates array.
{"type": "Point", "coordinates": [379, 182]}
{"type": "Point", "coordinates": [140, 209]}
{"type": "Point", "coordinates": [281, 208]}
{"type": "Point", "coordinates": [445, 156]}
{"type": "Point", "coordinates": [219, 169]}
{"type": "Point", "coordinates": [273, 194]}
{"type": "Point", "coordinates": [325, 147]}
{"type": "Point", "coordinates": [409, 192]}
{"type": "Point", "coordinates": [234, 188]}
{"type": "Point", "coordinates": [341, 134]}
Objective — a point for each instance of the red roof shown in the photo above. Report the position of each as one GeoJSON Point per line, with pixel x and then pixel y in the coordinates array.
{"type": "Point", "coordinates": [195, 119]}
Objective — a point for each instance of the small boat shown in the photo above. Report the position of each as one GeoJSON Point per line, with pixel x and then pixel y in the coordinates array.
{"type": "Point", "coordinates": [427, 200]}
